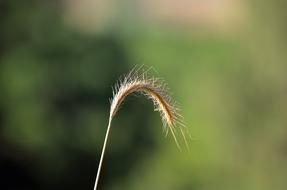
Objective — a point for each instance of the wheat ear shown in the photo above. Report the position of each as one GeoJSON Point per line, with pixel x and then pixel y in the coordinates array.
{"type": "Point", "coordinates": [154, 89]}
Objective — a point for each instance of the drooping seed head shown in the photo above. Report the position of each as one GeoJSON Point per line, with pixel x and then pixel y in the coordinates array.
{"type": "Point", "coordinates": [152, 88]}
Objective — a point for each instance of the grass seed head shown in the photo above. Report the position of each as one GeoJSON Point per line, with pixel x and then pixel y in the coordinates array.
{"type": "Point", "coordinates": [138, 81]}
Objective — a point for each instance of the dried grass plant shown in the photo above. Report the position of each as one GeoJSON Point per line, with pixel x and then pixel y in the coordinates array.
{"type": "Point", "coordinates": [138, 81]}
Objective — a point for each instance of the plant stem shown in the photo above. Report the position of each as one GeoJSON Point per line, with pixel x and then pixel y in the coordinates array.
{"type": "Point", "coordinates": [103, 153]}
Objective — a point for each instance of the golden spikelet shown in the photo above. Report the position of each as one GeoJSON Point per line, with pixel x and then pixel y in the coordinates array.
{"type": "Point", "coordinates": [153, 88]}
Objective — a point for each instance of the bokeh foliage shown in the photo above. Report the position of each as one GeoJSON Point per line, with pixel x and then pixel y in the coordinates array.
{"type": "Point", "coordinates": [56, 83]}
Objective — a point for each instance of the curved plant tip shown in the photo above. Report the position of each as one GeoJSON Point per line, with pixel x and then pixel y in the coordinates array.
{"type": "Point", "coordinates": [155, 89]}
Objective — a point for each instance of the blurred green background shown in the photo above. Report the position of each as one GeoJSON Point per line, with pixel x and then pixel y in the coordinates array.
{"type": "Point", "coordinates": [224, 60]}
